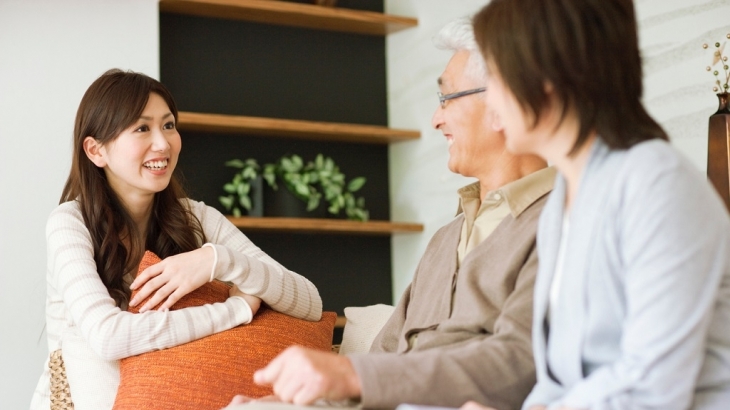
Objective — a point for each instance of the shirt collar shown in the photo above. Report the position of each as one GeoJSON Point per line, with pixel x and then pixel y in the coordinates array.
{"type": "Point", "coordinates": [519, 194]}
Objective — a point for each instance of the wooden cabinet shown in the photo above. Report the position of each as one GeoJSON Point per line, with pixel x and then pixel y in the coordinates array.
{"type": "Point", "coordinates": [263, 78]}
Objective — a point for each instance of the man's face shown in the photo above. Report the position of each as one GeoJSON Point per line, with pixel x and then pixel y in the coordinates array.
{"type": "Point", "coordinates": [474, 146]}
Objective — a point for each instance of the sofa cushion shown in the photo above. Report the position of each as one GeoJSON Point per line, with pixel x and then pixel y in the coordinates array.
{"type": "Point", "coordinates": [207, 373]}
{"type": "Point", "coordinates": [362, 326]}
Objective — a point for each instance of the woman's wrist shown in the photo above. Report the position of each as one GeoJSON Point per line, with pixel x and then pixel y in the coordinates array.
{"type": "Point", "coordinates": [215, 260]}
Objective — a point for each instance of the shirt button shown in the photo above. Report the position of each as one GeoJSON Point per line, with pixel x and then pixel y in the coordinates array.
{"type": "Point", "coordinates": [497, 197]}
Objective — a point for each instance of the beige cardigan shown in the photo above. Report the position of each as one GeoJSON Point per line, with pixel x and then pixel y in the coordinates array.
{"type": "Point", "coordinates": [479, 351]}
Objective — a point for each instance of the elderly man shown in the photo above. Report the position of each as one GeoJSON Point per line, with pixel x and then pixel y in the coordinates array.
{"type": "Point", "coordinates": [461, 330]}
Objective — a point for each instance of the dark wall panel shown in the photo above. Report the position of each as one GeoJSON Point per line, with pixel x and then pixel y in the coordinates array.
{"type": "Point", "coordinates": [241, 68]}
{"type": "Point", "coordinates": [237, 67]}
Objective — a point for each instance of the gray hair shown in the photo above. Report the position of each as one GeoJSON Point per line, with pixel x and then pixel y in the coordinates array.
{"type": "Point", "coordinates": [458, 35]}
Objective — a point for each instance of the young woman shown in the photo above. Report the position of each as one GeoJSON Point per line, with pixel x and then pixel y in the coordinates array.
{"type": "Point", "coordinates": [632, 299]}
{"type": "Point", "coordinates": [121, 198]}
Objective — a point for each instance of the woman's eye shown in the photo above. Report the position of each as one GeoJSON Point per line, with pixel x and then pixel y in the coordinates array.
{"type": "Point", "coordinates": [169, 126]}
{"type": "Point", "coordinates": [142, 128]}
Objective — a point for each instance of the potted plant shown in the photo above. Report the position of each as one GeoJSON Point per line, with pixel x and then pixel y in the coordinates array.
{"type": "Point", "coordinates": [312, 183]}
{"type": "Point", "coordinates": [245, 190]}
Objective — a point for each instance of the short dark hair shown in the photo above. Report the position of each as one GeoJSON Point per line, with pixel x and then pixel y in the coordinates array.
{"type": "Point", "coordinates": [587, 50]}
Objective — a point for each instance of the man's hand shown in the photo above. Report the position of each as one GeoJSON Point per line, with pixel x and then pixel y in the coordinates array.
{"type": "Point", "coordinates": [302, 376]}
{"type": "Point", "coordinates": [472, 405]}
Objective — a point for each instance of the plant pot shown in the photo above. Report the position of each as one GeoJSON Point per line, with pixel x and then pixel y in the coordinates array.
{"type": "Point", "coordinates": [257, 197]}
{"type": "Point", "coordinates": [282, 202]}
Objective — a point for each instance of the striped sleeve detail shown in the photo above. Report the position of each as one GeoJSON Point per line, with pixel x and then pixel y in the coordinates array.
{"type": "Point", "coordinates": [254, 272]}
{"type": "Point", "coordinates": [111, 332]}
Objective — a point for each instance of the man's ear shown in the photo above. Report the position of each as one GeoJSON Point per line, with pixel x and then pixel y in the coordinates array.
{"type": "Point", "coordinates": [93, 150]}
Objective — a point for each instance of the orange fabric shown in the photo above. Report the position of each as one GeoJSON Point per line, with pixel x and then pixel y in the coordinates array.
{"type": "Point", "coordinates": [207, 373]}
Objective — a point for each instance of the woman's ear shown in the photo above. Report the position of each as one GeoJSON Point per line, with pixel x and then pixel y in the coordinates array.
{"type": "Point", "coordinates": [94, 151]}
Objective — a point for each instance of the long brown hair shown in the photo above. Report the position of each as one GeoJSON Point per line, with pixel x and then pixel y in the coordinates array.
{"type": "Point", "coordinates": [586, 49]}
{"type": "Point", "coordinates": [111, 104]}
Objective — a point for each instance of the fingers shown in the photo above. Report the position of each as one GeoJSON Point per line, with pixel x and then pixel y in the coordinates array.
{"type": "Point", "coordinates": [147, 274]}
{"type": "Point", "coordinates": [172, 299]}
{"type": "Point", "coordinates": [159, 296]}
{"type": "Point", "coordinates": [269, 374]}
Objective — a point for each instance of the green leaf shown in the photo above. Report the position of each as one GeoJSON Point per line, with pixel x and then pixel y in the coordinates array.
{"type": "Point", "coordinates": [302, 189]}
{"type": "Point", "coordinates": [356, 184]}
{"type": "Point", "coordinates": [234, 163]}
{"type": "Point", "coordinates": [333, 209]}
{"type": "Point", "coordinates": [230, 188]}
{"type": "Point", "coordinates": [243, 188]}
{"type": "Point", "coordinates": [319, 161]}
{"type": "Point", "coordinates": [226, 201]}
{"type": "Point", "coordinates": [312, 203]}
{"type": "Point", "coordinates": [236, 212]}
{"type": "Point", "coordinates": [287, 165]}
{"type": "Point", "coordinates": [249, 173]}
{"type": "Point", "coordinates": [237, 178]}
{"type": "Point", "coordinates": [297, 160]}
{"type": "Point", "coordinates": [245, 202]}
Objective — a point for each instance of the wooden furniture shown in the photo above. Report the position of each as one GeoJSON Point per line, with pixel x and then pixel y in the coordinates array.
{"type": "Point", "coordinates": [263, 78]}
{"type": "Point", "coordinates": [292, 14]}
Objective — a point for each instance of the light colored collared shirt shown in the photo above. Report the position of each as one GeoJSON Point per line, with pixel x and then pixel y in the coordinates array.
{"type": "Point", "coordinates": [482, 217]}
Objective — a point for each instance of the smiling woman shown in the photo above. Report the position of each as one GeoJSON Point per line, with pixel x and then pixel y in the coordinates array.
{"type": "Point", "coordinates": [122, 198]}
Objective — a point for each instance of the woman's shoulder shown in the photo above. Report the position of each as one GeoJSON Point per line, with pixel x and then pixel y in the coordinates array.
{"type": "Point", "coordinates": [654, 159]}
{"type": "Point", "coordinates": [206, 214]}
{"type": "Point", "coordinates": [69, 210]}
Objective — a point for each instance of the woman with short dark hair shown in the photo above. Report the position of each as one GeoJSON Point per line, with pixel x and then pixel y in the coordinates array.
{"type": "Point", "coordinates": [632, 299]}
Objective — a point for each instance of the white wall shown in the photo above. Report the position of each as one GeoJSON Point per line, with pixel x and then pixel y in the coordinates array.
{"type": "Point", "coordinates": [50, 52]}
{"type": "Point", "coordinates": [678, 93]}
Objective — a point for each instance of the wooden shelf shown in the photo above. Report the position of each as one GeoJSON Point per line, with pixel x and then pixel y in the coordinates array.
{"type": "Point", "coordinates": [312, 130]}
{"type": "Point", "coordinates": [293, 14]}
{"type": "Point", "coordinates": [335, 226]}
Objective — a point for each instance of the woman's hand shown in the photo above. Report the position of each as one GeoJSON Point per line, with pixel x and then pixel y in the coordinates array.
{"type": "Point", "coordinates": [173, 278]}
{"type": "Point", "coordinates": [253, 302]}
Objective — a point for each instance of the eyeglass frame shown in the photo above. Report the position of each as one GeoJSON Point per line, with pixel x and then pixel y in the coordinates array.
{"type": "Point", "coordinates": [446, 97]}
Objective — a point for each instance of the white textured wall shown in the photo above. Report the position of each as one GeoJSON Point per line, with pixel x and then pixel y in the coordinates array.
{"type": "Point", "coordinates": [50, 52]}
{"type": "Point", "coordinates": [678, 93]}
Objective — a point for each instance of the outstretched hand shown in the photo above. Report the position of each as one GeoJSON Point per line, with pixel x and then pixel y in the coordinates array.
{"type": "Point", "coordinates": [173, 278]}
{"type": "Point", "coordinates": [302, 376]}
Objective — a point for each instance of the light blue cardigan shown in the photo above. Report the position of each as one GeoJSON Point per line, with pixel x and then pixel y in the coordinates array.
{"type": "Point", "coordinates": [643, 314]}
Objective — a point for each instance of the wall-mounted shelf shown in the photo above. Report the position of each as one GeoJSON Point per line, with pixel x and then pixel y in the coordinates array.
{"type": "Point", "coordinates": [293, 14]}
{"type": "Point", "coordinates": [311, 130]}
{"type": "Point", "coordinates": [335, 226]}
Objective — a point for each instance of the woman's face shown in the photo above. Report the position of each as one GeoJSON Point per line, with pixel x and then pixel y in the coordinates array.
{"type": "Point", "coordinates": [508, 115]}
{"type": "Point", "coordinates": [141, 160]}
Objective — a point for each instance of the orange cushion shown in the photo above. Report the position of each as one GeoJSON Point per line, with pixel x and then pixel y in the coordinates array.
{"type": "Point", "coordinates": [207, 373]}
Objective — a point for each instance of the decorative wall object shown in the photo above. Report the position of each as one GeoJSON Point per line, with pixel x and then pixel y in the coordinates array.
{"type": "Point", "coordinates": [718, 138]}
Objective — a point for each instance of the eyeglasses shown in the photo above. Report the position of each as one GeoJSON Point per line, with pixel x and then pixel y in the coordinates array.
{"type": "Point", "coordinates": [446, 97]}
